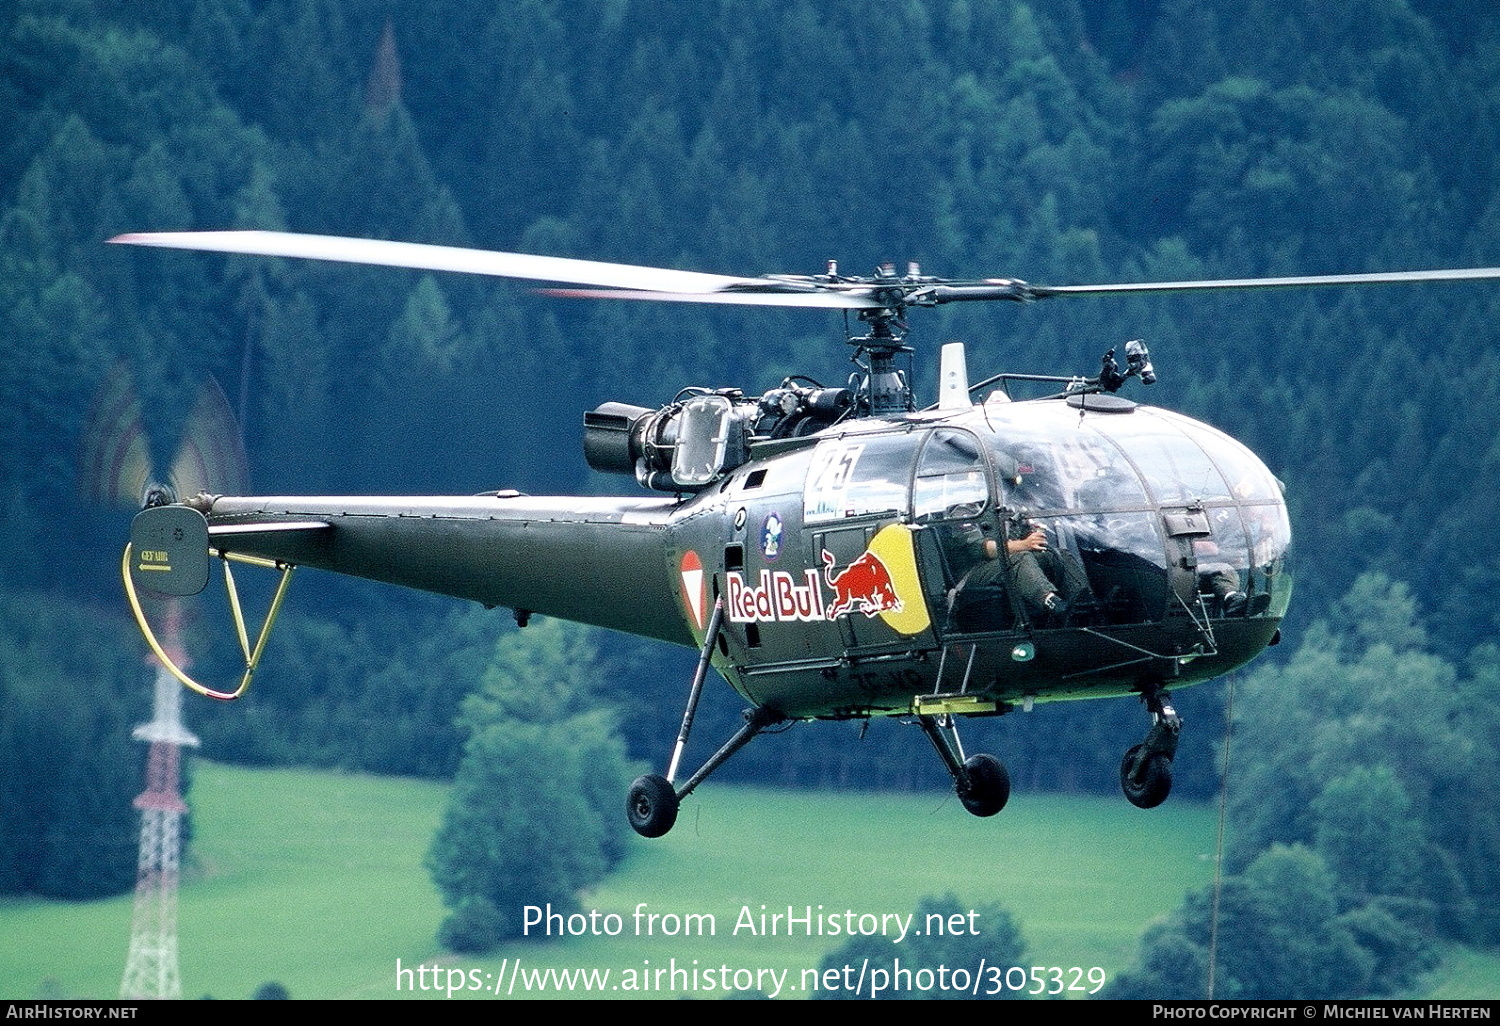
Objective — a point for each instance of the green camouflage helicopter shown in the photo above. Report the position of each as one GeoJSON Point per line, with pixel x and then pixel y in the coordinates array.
{"type": "Point", "coordinates": [835, 552]}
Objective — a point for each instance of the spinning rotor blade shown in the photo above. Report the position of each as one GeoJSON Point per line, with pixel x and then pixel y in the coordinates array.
{"type": "Point", "coordinates": [1306, 281]}
{"type": "Point", "coordinates": [211, 456]}
{"type": "Point", "coordinates": [633, 281]}
{"type": "Point", "coordinates": [420, 256]}
{"type": "Point", "coordinates": [115, 462]}
{"type": "Point", "coordinates": [819, 298]}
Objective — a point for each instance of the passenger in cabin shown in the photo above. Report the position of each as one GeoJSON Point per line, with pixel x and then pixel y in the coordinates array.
{"type": "Point", "coordinates": [1047, 582]}
{"type": "Point", "coordinates": [1218, 582]}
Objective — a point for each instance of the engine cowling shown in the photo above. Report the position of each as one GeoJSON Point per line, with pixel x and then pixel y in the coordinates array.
{"type": "Point", "coordinates": [689, 444]}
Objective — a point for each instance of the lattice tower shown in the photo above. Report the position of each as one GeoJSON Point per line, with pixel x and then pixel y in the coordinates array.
{"type": "Point", "coordinates": [151, 969]}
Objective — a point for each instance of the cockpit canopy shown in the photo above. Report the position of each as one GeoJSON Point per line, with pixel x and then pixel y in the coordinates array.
{"type": "Point", "coordinates": [1145, 513]}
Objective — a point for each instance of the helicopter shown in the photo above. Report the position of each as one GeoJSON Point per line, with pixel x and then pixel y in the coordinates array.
{"type": "Point", "coordinates": [835, 552]}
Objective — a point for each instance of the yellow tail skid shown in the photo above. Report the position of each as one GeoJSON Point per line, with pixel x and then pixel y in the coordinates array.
{"type": "Point", "coordinates": [162, 565]}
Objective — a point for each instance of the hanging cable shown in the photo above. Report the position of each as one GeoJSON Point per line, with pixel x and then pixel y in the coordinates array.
{"type": "Point", "coordinates": [1213, 918]}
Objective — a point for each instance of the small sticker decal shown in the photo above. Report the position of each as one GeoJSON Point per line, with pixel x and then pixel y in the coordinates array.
{"type": "Point", "coordinates": [770, 537]}
{"type": "Point", "coordinates": [828, 480]}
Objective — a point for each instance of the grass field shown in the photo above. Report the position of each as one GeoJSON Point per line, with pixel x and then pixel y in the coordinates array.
{"type": "Point", "coordinates": [315, 880]}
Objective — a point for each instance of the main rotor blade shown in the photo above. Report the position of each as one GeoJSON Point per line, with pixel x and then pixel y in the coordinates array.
{"type": "Point", "coordinates": [632, 281]}
{"type": "Point", "coordinates": [834, 300]}
{"type": "Point", "coordinates": [420, 256]}
{"type": "Point", "coordinates": [1306, 281]}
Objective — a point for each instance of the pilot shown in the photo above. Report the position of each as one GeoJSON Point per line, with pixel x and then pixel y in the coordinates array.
{"type": "Point", "coordinates": [1033, 482]}
{"type": "Point", "coordinates": [1047, 579]}
{"type": "Point", "coordinates": [977, 602]}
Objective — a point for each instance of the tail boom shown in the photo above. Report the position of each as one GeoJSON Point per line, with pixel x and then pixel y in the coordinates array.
{"type": "Point", "coordinates": [602, 562]}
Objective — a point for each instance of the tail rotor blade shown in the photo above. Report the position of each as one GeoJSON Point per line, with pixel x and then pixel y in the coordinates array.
{"type": "Point", "coordinates": [211, 456]}
{"type": "Point", "coordinates": [115, 461]}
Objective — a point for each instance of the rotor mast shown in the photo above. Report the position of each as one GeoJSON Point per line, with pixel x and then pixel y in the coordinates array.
{"type": "Point", "coordinates": [886, 388]}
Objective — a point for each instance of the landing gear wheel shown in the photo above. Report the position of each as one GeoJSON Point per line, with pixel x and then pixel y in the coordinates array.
{"type": "Point", "coordinates": [651, 805]}
{"type": "Point", "coordinates": [1146, 782]}
{"type": "Point", "coordinates": [989, 785]}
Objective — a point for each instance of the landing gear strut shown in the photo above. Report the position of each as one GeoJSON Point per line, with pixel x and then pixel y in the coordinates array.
{"type": "Point", "coordinates": [1146, 770]}
{"type": "Point", "coordinates": [652, 803]}
{"type": "Point", "coordinates": [981, 781]}
{"type": "Point", "coordinates": [651, 806]}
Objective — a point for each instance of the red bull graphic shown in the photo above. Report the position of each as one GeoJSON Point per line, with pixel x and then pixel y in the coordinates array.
{"type": "Point", "coordinates": [865, 583]}
{"type": "Point", "coordinates": [777, 599]}
{"type": "Point", "coordinates": [881, 582]}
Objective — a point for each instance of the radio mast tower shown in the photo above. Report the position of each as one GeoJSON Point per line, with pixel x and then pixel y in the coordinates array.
{"type": "Point", "coordinates": [151, 967]}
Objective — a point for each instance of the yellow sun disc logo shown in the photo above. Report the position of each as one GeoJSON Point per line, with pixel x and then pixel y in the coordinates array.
{"type": "Point", "coordinates": [894, 547]}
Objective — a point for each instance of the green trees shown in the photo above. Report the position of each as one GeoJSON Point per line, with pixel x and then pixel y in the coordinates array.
{"type": "Point", "coordinates": [1291, 163]}
{"type": "Point", "coordinates": [1375, 754]}
{"type": "Point", "coordinates": [534, 816]}
{"type": "Point", "coordinates": [1363, 818]}
{"type": "Point", "coordinates": [1280, 935]}
{"type": "Point", "coordinates": [68, 766]}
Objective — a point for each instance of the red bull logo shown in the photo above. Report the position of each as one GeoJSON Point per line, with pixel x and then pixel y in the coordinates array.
{"type": "Point", "coordinates": [777, 599]}
{"type": "Point", "coordinates": [881, 581]}
{"type": "Point", "coordinates": [865, 583]}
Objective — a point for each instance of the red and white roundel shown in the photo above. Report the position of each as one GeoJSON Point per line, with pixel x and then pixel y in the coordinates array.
{"type": "Point", "coordinates": [694, 588]}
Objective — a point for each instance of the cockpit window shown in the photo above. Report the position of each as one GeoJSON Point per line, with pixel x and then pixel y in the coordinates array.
{"type": "Point", "coordinates": [859, 475]}
{"type": "Point", "coordinates": [1146, 513]}
{"type": "Point", "coordinates": [1248, 479]}
{"type": "Point", "coordinates": [1177, 470]}
{"type": "Point", "coordinates": [951, 476]}
{"type": "Point", "coordinates": [1060, 464]}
